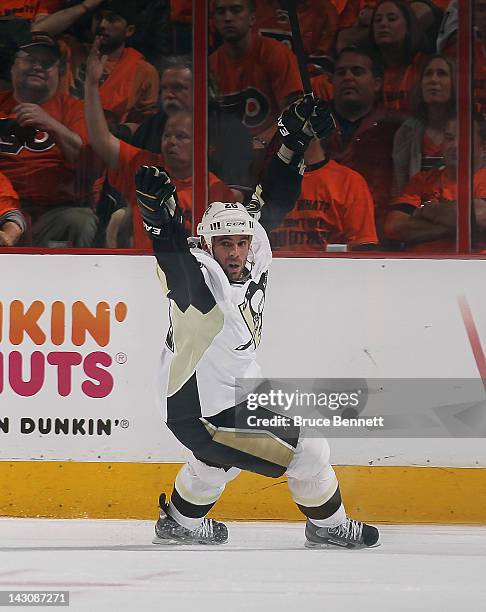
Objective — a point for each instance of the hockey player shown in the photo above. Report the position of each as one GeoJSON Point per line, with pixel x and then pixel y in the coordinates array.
{"type": "Point", "coordinates": [216, 294]}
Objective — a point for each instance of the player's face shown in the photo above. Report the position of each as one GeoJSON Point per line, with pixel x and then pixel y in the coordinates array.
{"type": "Point", "coordinates": [233, 19]}
{"type": "Point", "coordinates": [176, 90]}
{"type": "Point", "coordinates": [35, 74]}
{"type": "Point", "coordinates": [437, 82]}
{"type": "Point", "coordinates": [389, 25]}
{"type": "Point", "coordinates": [112, 29]}
{"type": "Point", "coordinates": [354, 82]}
{"type": "Point", "coordinates": [176, 145]}
{"type": "Point", "coordinates": [231, 252]}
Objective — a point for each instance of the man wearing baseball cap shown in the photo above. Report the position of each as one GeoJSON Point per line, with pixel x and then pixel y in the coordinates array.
{"type": "Point", "coordinates": [41, 141]}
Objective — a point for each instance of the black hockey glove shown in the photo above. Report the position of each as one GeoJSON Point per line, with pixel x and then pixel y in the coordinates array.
{"type": "Point", "coordinates": [322, 120]}
{"type": "Point", "coordinates": [294, 127]}
{"type": "Point", "coordinates": [157, 201]}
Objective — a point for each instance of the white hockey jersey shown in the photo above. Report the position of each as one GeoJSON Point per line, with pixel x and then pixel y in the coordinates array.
{"type": "Point", "coordinates": [220, 346]}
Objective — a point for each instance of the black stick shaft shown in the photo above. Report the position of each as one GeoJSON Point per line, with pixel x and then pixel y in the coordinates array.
{"type": "Point", "coordinates": [291, 7]}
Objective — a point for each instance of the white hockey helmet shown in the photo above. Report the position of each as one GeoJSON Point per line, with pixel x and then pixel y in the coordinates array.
{"type": "Point", "coordinates": [224, 219]}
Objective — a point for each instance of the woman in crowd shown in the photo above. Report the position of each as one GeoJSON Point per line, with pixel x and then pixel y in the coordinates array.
{"type": "Point", "coordinates": [396, 36]}
{"type": "Point", "coordinates": [418, 142]}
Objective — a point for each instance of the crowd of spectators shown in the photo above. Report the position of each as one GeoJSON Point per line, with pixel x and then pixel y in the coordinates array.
{"type": "Point", "coordinates": [91, 89]}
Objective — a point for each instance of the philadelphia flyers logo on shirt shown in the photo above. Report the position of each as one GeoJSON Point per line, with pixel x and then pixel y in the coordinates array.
{"type": "Point", "coordinates": [252, 311]}
{"type": "Point", "coordinates": [250, 105]}
{"type": "Point", "coordinates": [13, 138]}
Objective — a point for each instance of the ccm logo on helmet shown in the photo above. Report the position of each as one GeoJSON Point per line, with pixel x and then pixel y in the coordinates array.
{"type": "Point", "coordinates": [235, 223]}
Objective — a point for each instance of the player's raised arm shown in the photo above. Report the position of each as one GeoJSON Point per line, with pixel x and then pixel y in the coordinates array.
{"type": "Point", "coordinates": [162, 219]}
{"type": "Point", "coordinates": [304, 120]}
{"type": "Point", "coordinates": [101, 139]}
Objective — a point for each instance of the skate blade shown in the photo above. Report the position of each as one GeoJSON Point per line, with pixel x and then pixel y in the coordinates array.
{"type": "Point", "coordinates": [330, 546]}
{"type": "Point", "coordinates": [169, 542]}
{"type": "Point", "coordinates": [166, 542]}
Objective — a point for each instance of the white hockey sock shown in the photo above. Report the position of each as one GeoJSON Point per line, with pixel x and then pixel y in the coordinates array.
{"type": "Point", "coordinates": [185, 521]}
{"type": "Point", "coordinates": [334, 520]}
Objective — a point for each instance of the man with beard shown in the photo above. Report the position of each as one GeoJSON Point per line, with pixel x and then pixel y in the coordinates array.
{"type": "Point", "coordinates": [129, 85]}
{"type": "Point", "coordinates": [364, 138]}
{"type": "Point", "coordinates": [41, 145]}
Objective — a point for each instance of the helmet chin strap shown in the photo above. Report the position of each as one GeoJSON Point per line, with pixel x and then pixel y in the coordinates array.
{"type": "Point", "coordinates": [208, 247]}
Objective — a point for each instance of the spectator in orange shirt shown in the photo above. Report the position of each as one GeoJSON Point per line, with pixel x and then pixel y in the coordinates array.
{"type": "Point", "coordinates": [334, 207]}
{"type": "Point", "coordinates": [12, 222]}
{"type": "Point", "coordinates": [395, 34]}
{"type": "Point", "coordinates": [424, 216]}
{"type": "Point", "coordinates": [365, 131]}
{"type": "Point", "coordinates": [256, 77]}
{"type": "Point", "coordinates": [41, 144]}
{"type": "Point", "coordinates": [418, 143]}
{"type": "Point", "coordinates": [124, 159]}
{"type": "Point", "coordinates": [16, 17]}
{"type": "Point", "coordinates": [129, 85]}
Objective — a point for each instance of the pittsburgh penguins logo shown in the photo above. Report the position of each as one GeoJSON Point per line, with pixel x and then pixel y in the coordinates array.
{"type": "Point", "coordinates": [250, 105]}
{"type": "Point", "coordinates": [252, 311]}
{"type": "Point", "coordinates": [14, 138]}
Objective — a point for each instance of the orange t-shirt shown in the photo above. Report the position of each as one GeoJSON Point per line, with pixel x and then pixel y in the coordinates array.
{"type": "Point", "coordinates": [129, 87]}
{"type": "Point", "coordinates": [254, 86]}
{"type": "Point", "coordinates": [9, 199]}
{"type": "Point", "coordinates": [334, 207]}
{"type": "Point", "coordinates": [318, 21]}
{"type": "Point", "coordinates": [123, 179]}
{"type": "Point", "coordinates": [398, 84]}
{"type": "Point", "coordinates": [37, 169]}
{"type": "Point", "coordinates": [435, 186]}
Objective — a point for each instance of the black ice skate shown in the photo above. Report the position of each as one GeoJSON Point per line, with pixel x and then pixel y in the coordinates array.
{"type": "Point", "coordinates": [351, 534]}
{"type": "Point", "coordinates": [168, 531]}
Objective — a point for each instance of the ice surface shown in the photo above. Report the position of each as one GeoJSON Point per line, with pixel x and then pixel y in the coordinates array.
{"type": "Point", "coordinates": [111, 565]}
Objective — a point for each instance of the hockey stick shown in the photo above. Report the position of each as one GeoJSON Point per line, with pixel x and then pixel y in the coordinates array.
{"type": "Point", "coordinates": [290, 7]}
